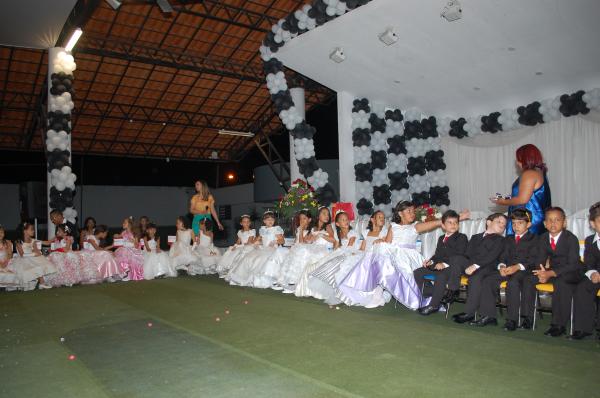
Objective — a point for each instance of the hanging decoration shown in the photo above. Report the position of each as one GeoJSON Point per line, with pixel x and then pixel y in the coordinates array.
{"type": "Point", "coordinates": [58, 134]}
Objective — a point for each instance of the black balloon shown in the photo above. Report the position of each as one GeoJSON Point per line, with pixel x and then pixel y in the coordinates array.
{"type": "Point", "coordinates": [395, 115]}
{"type": "Point", "coordinates": [429, 127]}
{"type": "Point", "coordinates": [58, 159]}
{"type": "Point", "coordinates": [307, 167]}
{"type": "Point", "coordinates": [364, 206]}
{"type": "Point", "coordinates": [382, 194]}
{"type": "Point", "coordinates": [272, 66]}
{"type": "Point", "coordinates": [363, 172]}
{"type": "Point", "coordinates": [377, 124]}
{"type": "Point", "coordinates": [416, 166]}
{"type": "Point", "coordinates": [457, 128]}
{"type": "Point", "coordinates": [303, 130]}
{"type": "Point", "coordinates": [439, 196]}
{"type": "Point", "coordinates": [413, 129]}
{"type": "Point", "coordinates": [490, 123]}
{"type": "Point", "coordinates": [420, 198]}
{"type": "Point", "coordinates": [530, 115]}
{"type": "Point", "coordinates": [361, 137]}
{"type": "Point", "coordinates": [434, 160]}
{"type": "Point", "coordinates": [282, 100]}
{"type": "Point", "coordinates": [378, 159]}
{"type": "Point", "coordinates": [573, 104]}
{"type": "Point", "coordinates": [326, 195]}
{"type": "Point", "coordinates": [396, 145]}
{"type": "Point", "coordinates": [398, 181]}
{"type": "Point", "coordinates": [361, 105]}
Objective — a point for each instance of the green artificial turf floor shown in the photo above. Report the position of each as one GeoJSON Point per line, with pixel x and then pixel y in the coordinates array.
{"type": "Point", "coordinates": [161, 339]}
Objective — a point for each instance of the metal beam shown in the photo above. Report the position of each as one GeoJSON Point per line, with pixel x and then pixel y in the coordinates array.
{"type": "Point", "coordinates": [221, 12]}
{"type": "Point", "coordinates": [170, 58]}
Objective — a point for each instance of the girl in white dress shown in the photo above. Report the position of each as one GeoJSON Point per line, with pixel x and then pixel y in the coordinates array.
{"type": "Point", "coordinates": [181, 252]}
{"type": "Point", "coordinates": [260, 267]}
{"type": "Point", "coordinates": [156, 262]}
{"type": "Point", "coordinates": [101, 257]}
{"type": "Point", "coordinates": [208, 255]}
{"type": "Point", "coordinates": [68, 263]}
{"type": "Point", "coordinates": [345, 242]}
{"type": "Point", "coordinates": [30, 265]}
{"type": "Point", "coordinates": [8, 279]}
{"type": "Point", "coordinates": [311, 248]}
{"type": "Point", "coordinates": [243, 244]}
{"type": "Point", "coordinates": [390, 264]}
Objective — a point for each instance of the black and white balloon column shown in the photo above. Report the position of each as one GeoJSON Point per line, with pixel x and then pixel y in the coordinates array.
{"type": "Point", "coordinates": [307, 18]}
{"type": "Point", "coordinates": [61, 179]}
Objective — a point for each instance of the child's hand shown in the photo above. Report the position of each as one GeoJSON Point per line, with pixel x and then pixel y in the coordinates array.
{"type": "Point", "coordinates": [595, 278]}
{"type": "Point", "coordinates": [439, 267]}
{"type": "Point", "coordinates": [470, 269]}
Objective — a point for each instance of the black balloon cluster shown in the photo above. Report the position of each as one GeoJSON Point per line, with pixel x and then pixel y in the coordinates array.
{"type": "Point", "coordinates": [58, 121]}
{"type": "Point", "coordinates": [457, 128]}
{"type": "Point", "coordinates": [58, 159]}
{"type": "Point", "coordinates": [413, 129]}
{"type": "Point", "coordinates": [378, 159]}
{"type": "Point", "coordinates": [396, 145]}
{"type": "Point", "coordinates": [61, 83]}
{"type": "Point", "coordinates": [361, 137]}
{"type": "Point", "coordinates": [364, 206]}
{"type": "Point", "coordinates": [382, 194]}
{"type": "Point", "coordinates": [395, 115]}
{"type": "Point", "coordinates": [307, 167]}
{"type": "Point", "coordinates": [273, 66]}
{"type": "Point", "coordinates": [363, 172]}
{"type": "Point", "coordinates": [530, 115]}
{"type": "Point", "coordinates": [361, 105]}
{"type": "Point", "coordinates": [429, 127]}
{"type": "Point", "coordinates": [416, 166]}
{"type": "Point", "coordinates": [303, 130]}
{"type": "Point", "coordinates": [420, 198]}
{"type": "Point", "coordinates": [434, 160]}
{"type": "Point", "coordinates": [377, 123]}
{"type": "Point", "coordinates": [398, 181]}
{"type": "Point", "coordinates": [60, 200]}
{"type": "Point", "coordinates": [326, 194]}
{"type": "Point", "coordinates": [490, 123]}
{"type": "Point", "coordinates": [352, 4]}
{"type": "Point", "coordinates": [282, 100]}
{"type": "Point", "coordinates": [571, 105]}
{"type": "Point", "coordinates": [319, 12]}
{"type": "Point", "coordinates": [439, 196]}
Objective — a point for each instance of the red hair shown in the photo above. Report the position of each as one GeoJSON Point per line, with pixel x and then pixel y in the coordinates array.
{"type": "Point", "coordinates": [530, 158]}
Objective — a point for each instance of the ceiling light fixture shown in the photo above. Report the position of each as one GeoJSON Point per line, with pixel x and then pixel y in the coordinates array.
{"type": "Point", "coordinates": [388, 37]}
{"type": "Point", "coordinates": [337, 55]}
{"type": "Point", "coordinates": [165, 6]}
{"type": "Point", "coordinates": [452, 11]}
{"type": "Point", "coordinates": [115, 4]}
{"type": "Point", "coordinates": [236, 133]}
{"type": "Point", "coordinates": [73, 40]}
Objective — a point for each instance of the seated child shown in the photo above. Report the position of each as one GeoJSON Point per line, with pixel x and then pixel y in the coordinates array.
{"type": "Point", "coordinates": [483, 255]}
{"type": "Point", "coordinates": [443, 264]}
{"type": "Point", "coordinates": [564, 268]}
{"type": "Point", "coordinates": [587, 290]}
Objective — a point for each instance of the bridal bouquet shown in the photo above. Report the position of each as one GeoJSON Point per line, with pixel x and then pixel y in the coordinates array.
{"type": "Point", "coordinates": [427, 213]}
{"type": "Point", "coordinates": [300, 196]}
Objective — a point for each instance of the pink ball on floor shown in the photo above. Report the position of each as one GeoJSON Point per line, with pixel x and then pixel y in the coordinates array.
{"type": "Point", "coordinates": [71, 357]}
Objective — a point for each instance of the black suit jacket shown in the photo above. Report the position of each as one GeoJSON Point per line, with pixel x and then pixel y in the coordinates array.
{"type": "Point", "coordinates": [566, 256]}
{"type": "Point", "coordinates": [485, 252]}
{"type": "Point", "coordinates": [526, 252]}
{"type": "Point", "coordinates": [455, 245]}
{"type": "Point", "coordinates": [591, 255]}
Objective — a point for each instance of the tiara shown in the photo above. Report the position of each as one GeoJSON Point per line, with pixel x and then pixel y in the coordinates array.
{"type": "Point", "coordinates": [340, 212]}
{"type": "Point", "coordinates": [245, 216]}
{"type": "Point", "coordinates": [322, 207]}
{"type": "Point", "coordinates": [268, 212]}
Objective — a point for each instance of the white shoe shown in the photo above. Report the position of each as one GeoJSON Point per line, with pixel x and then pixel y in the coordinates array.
{"type": "Point", "coordinates": [126, 279]}
{"type": "Point", "coordinates": [44, 286]}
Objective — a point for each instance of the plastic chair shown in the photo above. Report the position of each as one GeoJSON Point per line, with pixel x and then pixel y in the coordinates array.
{"type": "Point", "coordinates": [547, 288]}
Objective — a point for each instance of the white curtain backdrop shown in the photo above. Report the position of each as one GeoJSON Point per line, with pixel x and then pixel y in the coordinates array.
{"type": "Point", "coordinates": [479, 167]}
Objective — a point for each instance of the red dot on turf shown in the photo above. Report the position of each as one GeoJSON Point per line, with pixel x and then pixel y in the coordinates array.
{"type": "Point", "coordinates": [71, 357]}
{"type": "Point", "coordinates": [149, 324]}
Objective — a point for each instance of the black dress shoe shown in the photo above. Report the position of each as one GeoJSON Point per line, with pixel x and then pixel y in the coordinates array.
{"type": "Point", "coordinates": [510, 325]}
{"type": "Point", "coordinates": [578, 335]}
{"type": "Point", "coordinates": [428, 310]}
{"type": "Point", "coordinates": [526, 324]}
{"type": "Point", "coordinates": [450, 296]}
{"type": "Point", "coordinates": [555, 331]}
{"type": "Point", "coordinates": [484, 321]}
{"type": "Point", "coordinates": [462, 317]}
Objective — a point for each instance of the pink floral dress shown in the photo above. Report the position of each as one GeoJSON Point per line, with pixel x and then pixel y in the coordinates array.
{"type": "Point", "coordinates": [130, 258]}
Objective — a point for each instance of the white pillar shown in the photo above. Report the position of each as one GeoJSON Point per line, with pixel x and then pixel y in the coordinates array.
{"type": "Point", "coordinates": [345, 148]}
{"type": "Point", "coordinates": [52, 54]}
{"type": "Point", "coordinates": [298, 98]}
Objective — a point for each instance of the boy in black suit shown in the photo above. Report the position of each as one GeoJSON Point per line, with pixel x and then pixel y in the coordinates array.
{"type": "Point", "coordinates": [521, 256]}
{"type": "Point", "coordinates": [483, 256]}
{"type": "Point", "coordinates": [443, 264]}
{"type": "Point", "coordinates": [564, 270]}
{"type": "Point", "coordinates": [587, 289]}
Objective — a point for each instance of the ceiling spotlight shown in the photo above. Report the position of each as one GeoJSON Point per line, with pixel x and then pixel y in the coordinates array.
{"type": "Point", "coordinates": [164, 6]}
{"type": "Point", "coordinates": [115, 4]}
{"type": "Point", "coordinates": [337, 55]}
{"type": "Point", "coordinates": [388, 37]}
{"type": "Point", "coordinates": [452, 11]}
{"type": "Point", "coordinates": [236, 133]}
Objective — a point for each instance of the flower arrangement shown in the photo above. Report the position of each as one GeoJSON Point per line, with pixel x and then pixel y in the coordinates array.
{"type": "Point", "coordinates": [300, 196]}
{"type": "Point", "coordinates": [426, 212]}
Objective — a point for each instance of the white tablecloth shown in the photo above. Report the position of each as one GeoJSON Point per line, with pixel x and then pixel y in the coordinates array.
{"type": "Point", "coordinates": [576, 223]}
